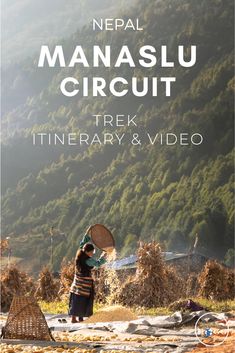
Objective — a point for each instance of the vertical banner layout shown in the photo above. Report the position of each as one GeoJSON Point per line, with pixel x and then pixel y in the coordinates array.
{"type": "Point", "coordinates": [117, 122]}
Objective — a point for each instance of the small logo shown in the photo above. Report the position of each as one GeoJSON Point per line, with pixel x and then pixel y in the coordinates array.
{"type": "Point", "coordinates": [211, 330]}
{"type": "Point", "coordinates": [208, 332]}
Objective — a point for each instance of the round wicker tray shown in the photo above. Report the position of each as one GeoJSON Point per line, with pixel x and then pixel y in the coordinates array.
{"type": "Point", "coordinates": [102, 237]}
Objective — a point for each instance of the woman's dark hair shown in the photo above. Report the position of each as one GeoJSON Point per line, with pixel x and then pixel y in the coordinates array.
{"type": "Point", "coordinates": [86, 248]}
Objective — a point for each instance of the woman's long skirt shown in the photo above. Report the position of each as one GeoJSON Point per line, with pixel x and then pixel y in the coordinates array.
{"type": "Point", "coordinates": [81, 306]}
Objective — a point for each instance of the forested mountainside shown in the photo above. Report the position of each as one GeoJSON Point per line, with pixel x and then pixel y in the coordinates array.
{"type": "Point", "coordinates": [27, 24]}
{"type": "Point", "coordinates": [167, 193]}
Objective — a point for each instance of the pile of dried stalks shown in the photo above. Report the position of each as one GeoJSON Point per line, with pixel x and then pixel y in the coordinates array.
{"type": "Point", "coordinates": [216, 281]}
{"type": "Point", "coordinates": [14, 282]}
{"type": "Point", "coordinates": [47, 286]}
{"type": "Point", "coordinates": [66, 277]}
{"type": "Point", "coordinates": [155, 283]}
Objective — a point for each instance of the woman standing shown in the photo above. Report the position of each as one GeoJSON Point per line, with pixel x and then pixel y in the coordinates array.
{"type": "Point", "coordinates": [82, 289]}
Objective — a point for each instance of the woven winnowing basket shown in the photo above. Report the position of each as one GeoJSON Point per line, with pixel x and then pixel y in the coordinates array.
{"type": "Point", "coordinates": [101, 237]}
{"type": "Point", "coordinates": [26, 321]}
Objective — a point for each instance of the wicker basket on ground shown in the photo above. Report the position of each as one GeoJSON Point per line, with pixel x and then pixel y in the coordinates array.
{"type": "Point", "coordinates": [26, 321]}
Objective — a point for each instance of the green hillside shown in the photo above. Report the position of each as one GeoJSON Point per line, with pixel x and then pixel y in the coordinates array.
{"type": "Point", "coordinates": [168, 193]}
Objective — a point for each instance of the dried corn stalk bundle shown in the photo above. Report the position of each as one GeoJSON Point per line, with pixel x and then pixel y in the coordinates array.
{"type": "Point", "coordinates": [216, 281]}
{"type": "Point", "coordinates": [47, 288]}
{"type": "Point", "coordinates": [14, 282]}
{"type": "Point", "coordinates": [129, 293]}
{"type": "Point", "coordinates": [155, 284]}
{"type": "Point", "coordinates": [66, 276]}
